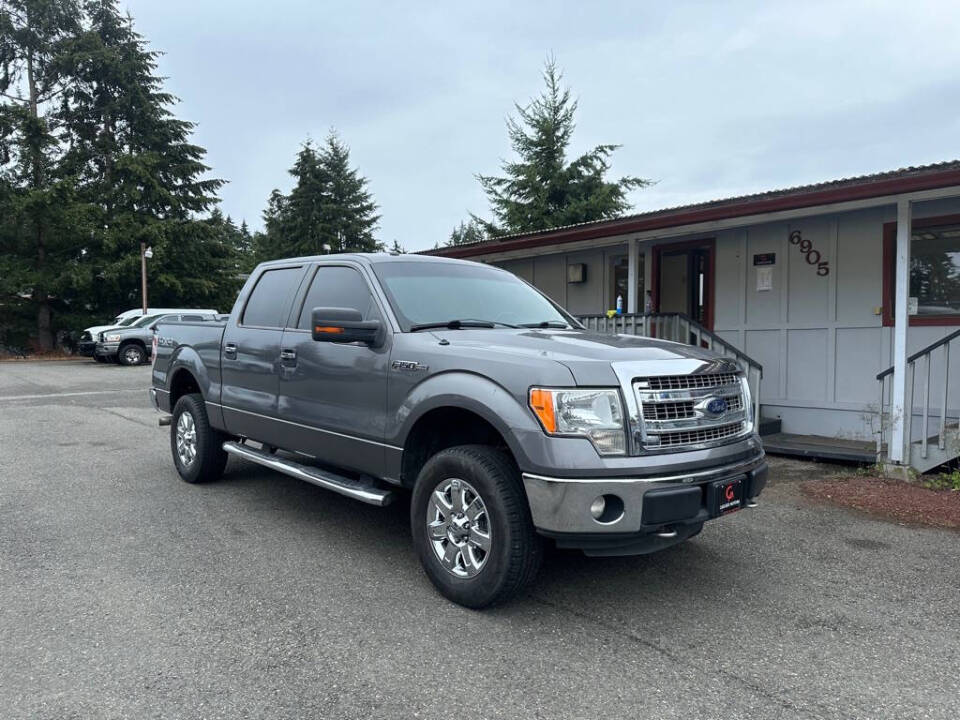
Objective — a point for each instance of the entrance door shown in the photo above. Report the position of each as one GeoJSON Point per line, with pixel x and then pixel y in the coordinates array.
{"type": "Point", "coordinates": [683, 277]}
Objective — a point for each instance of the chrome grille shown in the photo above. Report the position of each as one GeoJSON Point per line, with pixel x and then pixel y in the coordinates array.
{"type": "Point", "coordinates": [695, 437]}
{"type": "Point", "coordinates": [668, 410]}
{"type": "Point", "coordinates": [682, 409]}
{"type": "Point", "coordinates": [676, 409]}
{"type": "Point", "coordinates": [686, 382]}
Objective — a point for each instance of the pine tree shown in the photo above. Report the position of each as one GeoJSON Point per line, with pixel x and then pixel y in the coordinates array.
{"type": "Point", "coordinates": [141, 178]}
{"type": "Point", "coordinates": [397, 249]}
{"type": "Point", "coordinates": [329, 209]}
{"type": "Point", "coordinates": [467, 232]}
{"type": "Point", "coordinates": [541, 190]}
{"type": "Point", "coordinates": [39, 220]}
{"type": "Point", "coordinates": [349, 212]}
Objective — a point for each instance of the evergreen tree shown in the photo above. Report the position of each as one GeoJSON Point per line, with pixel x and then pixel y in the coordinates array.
{"type": "Point", "coordinates": [39, 220]}
{"type": "Point", "coordinates": [139, 175]}
{"type": "Point", "coordinates": [397, 249]}
{"type": "Point", "coordinates": [329, 209]}
{"type": "Point", "coordinates": [467, 232]}
{"type": "Point", "coordinates": [541, 189]}
{"type": "Point", "coordinates": [349, 212]}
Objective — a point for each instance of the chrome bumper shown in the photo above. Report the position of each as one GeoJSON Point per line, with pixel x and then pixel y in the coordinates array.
{"type": "Point", "coordinates": [562, 505]}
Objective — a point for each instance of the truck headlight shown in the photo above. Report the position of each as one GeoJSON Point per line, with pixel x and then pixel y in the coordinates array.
{"type": "Point", "coordinates": [596, 414]}
{"type": "Point", "coordinates": [111, 338]}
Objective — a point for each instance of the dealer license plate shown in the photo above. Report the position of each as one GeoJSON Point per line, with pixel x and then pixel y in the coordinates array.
{"type": "Point", "coordinates": [728, 496]}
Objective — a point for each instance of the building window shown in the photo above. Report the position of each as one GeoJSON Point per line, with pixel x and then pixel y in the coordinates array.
{"type": "Point", "coordinates": [934, 272]}
{"type": "Point", "coordinates": [620, 282]}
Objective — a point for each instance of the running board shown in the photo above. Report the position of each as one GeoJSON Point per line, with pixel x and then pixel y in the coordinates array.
{"type": "Point", "coordinates": [321, 478]}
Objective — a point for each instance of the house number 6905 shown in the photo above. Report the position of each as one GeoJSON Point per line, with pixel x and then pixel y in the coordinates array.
{"type": "Point", "coordinates": [811, 254]}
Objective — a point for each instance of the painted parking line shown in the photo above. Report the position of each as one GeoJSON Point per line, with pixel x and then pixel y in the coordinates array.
{"type": "Point", "coordinates": [42, 396]}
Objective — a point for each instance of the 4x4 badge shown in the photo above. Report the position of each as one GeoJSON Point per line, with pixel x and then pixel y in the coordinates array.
{"type": "Point", "coordinates": [408, 365]}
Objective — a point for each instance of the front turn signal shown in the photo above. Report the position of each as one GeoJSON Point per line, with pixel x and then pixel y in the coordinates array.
{"type": "Point", "coordinates": [541, 402]}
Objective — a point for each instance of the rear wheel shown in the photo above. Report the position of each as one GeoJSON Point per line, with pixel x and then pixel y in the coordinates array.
{"type": "Point", "coordinates": [197, 448]}
{"type": "Point", "coordinates": [131, 354]}
{"type": "Point", "coordinates": [471, 526]}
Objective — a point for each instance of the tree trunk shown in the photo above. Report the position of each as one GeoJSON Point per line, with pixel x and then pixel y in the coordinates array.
{"type": "Point", "coordinates": [40, 297]}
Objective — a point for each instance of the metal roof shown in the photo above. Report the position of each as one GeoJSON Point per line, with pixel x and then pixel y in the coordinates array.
{"type": "Point", "coordinates": [890, 182]}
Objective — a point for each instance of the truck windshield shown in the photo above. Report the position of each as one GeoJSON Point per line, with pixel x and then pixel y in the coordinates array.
{"type": "Point", "coordinates": [145, 320]}
{"type": "Point", "coordinates": [428, 293]}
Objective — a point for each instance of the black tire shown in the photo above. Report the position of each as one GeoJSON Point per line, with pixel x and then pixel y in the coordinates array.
{"type": "Point", "coordinates": [516, 551]}
{"type": "Point", "coordinates": [131, 354]}
{"type": "Point", "coordinates": [209, 458]}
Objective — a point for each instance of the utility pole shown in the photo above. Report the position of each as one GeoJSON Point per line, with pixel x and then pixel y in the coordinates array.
{"type": "Point", "coordinates": [145, 254]}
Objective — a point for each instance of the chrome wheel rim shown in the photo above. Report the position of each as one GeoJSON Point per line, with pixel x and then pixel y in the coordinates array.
{"type": "Point", "coordinates": [132, 355]}
{"type": "Point", "coordinates": [458, 527]}
{"type": "Point", "coordinates": [186, 439]}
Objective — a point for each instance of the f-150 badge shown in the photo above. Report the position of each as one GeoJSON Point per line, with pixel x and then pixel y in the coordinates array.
{"type": "Point", "coordinates": [408, 365]}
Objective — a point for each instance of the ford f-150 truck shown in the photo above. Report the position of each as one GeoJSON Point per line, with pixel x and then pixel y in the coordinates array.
{"type": "Point", "coordinates": [510, 424]}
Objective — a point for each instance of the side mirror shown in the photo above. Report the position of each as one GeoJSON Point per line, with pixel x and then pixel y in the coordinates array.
{"type": "Point", "coordinates": [343, 325]}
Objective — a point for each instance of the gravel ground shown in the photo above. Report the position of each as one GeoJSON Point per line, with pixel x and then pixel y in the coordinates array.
{"type": "Point", "coordinates": [897, 500]}
{"type": "Point", "coordinates": [127, 593]}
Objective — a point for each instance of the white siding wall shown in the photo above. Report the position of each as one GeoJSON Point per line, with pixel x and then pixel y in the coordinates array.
{"type": "Point", "coordinates": [819, 338]}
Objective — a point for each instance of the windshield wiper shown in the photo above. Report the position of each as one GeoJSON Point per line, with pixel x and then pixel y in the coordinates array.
{"type": "Point", "coordinates": [546, 324]}
{"type": "Point", "coordinates": [458, 324]}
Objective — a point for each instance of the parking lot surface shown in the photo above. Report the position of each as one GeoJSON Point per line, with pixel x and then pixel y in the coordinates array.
{"type": "Point", "coordinates": [125, 592]}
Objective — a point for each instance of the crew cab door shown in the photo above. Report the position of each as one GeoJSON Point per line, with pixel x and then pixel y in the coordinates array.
{"type": "Point", "coordinates": [332, 396]}
{"type": "Point", "coordinates": [250, 356]}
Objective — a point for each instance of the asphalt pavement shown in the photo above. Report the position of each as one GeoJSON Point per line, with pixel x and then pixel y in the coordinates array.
{"type": "Point", "coordinates": [126, 593]}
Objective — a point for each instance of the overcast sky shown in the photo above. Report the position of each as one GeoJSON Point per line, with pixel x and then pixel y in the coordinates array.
{"type": "Point", "coordinates": [709, 99]}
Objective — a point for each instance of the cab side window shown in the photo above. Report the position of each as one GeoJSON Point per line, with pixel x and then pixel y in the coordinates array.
{"type": "Point", "coordinates": [340, 287]}
{"type": "Point", "coordinates": [266, 302]}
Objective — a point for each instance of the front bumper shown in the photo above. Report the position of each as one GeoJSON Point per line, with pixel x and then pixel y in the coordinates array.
{"type": "Point", "coordinates": [87, 347]}
{"type": "Point", "coordinates": [657, 510]}
{"type": "Point", "coordinates": [104, 349]}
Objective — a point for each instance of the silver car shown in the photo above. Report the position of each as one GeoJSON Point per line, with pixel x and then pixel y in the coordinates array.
{"type": "Point", "coordinates": [133, 345]}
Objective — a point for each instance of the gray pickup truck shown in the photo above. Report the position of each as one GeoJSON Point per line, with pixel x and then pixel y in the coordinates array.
{"type": "Point", "coordinates": [509, 423]}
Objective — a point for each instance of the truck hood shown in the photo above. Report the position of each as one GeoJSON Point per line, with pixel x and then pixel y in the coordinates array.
{"type": "Point", "coordinates": [99, 329]}
{"type": "Point", "coordinates": [593, 358]}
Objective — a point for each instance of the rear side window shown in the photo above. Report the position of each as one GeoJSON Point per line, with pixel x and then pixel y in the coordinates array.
{"type": "Point", "coordinates": [339, 287]}
{"type": "Point", "coordinates": [265, 304]}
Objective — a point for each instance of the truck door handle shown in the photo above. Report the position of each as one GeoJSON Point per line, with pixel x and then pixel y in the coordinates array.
{"type": "Point", "coordinates": [288, 355]}
{"type": "Point", "coordinates": [230, 350]}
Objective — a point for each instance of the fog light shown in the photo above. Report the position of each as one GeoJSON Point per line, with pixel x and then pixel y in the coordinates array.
{"type": "Point", "coordinates": [597, 507]}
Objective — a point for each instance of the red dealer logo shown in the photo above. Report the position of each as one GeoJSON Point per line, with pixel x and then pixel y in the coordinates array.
{"type": "Point", "coordinates": [728, 492]}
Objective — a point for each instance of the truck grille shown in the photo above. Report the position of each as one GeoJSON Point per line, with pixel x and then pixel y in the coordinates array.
{"type": "Point", "coordinates": [686, 382]}
{"type": "Point", "coordinates": [695, 437]}
{"type": "Point", "coordinates": [682, 409]}
{"type": "Point", "coordinates": [679, 411]}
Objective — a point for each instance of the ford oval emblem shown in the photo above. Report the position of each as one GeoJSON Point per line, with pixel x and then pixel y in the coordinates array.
{"type": "Point", "coordinates": [717, 406]}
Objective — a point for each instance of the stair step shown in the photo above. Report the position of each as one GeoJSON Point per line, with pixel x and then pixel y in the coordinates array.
{"type": "Point", "coordinates": [352, 488]}
{"type": "Point", "coordinates": [820, 448]}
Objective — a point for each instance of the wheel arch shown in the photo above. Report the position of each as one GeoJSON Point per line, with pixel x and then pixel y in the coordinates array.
{"type": "Point", "coordinates": [187, 372]}
{"type": "Point", "coordinates": [459, 409]}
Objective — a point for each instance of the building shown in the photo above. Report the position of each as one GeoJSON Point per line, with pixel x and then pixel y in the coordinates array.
{"type": "Point", "coordinates": [810, 281]}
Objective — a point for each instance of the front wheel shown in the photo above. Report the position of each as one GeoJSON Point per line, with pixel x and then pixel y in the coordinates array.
{"type": "Point", "coordinates": [472, 528]}
{"type": "Point", "coordinates": [132, 354]}
{"type": "Point", "coordinates": [197, 448]}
